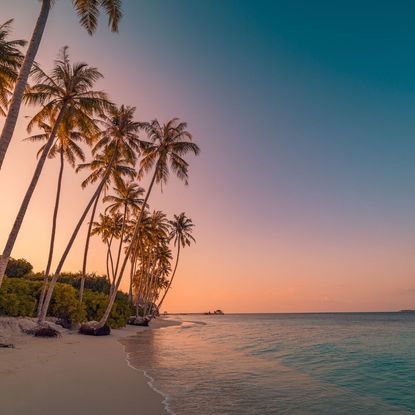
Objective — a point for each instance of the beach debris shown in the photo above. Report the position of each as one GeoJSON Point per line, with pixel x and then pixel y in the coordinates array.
{"type": "Point", "coordinates": [7, 345]}
{"type": "Point", "coordinates": [92, 329]}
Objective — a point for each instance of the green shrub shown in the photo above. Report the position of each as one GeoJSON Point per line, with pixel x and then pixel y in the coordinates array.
{"type": "Point", "coordinates": [64, 304]}
{"type": "Point", "coordinates": [18, 268]}
{"type": "Point", "coordinates": [96, 303]}
{"type": "Point", "coordinates": [93, 282]}
{"type": "Point", "coordinates": [19, 297]}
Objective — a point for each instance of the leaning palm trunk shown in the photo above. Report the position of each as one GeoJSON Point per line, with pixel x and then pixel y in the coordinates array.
{"type": "Point", "coordinates": [171, 279]}
{"type": "Point", "coordinates": [16, 101]}
{"type": "Point", "coordinates": [133, 271]}
{"type": "Point", "coordinates": [140, 286]}
{"type": "Point", "coordinates": [130, 290]}
{"type": "Point", "coordinates": [55, 277]}
{"type": "Point", "coordinates": [108, 310]}
{"type": "Point", "coordinates": [88, 237]}
{"type": "Point", "coordinates": [53, 233]}
{"type": "Point", "coordinates": [121, 240]}
{"type": "Point", "coordinates": [150, 291]}
{"type": "Point", "coordinates": [26, 200]}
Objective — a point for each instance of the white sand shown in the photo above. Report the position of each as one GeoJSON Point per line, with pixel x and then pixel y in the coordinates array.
{"type": "Point", "coordinates": [74, 375]}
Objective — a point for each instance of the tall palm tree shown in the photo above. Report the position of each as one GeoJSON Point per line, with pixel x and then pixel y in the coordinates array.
{"type": "Point", "coordinates": [64, 94]}
{"type": "Point", "coordinates": [181, 234]}
{"type": "Point", "coordinates": [127, 199]}
{"type": "Point", "coordinates": [156, 250]}
{"type": "Point", "coordinates": [164, 150]}
{"type": "Point", "coordinates": [108, 227]}
{"type": "Point", "coordinates": [10, 60]}
{"type": "Point", "coordinates": [88, 12]}
{"type": "Point", "coordinates": [67, 148]}
{"type": "Point", "coordinates": [119, 137]}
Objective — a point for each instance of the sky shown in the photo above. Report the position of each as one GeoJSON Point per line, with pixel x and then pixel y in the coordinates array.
{"type": "Point", "coordinates": [303, 195]}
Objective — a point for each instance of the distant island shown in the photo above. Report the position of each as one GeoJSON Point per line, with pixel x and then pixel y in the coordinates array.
{"type": "Point", "coordinates": [407, 311]}
{"type": "Point", "coordinates": [216, 312]}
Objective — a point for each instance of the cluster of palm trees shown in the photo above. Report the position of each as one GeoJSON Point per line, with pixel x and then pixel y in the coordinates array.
{"type": "Point", "coordinates": [71, 115]}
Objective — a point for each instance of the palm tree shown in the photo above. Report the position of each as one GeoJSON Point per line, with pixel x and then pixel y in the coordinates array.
{"type": "Point", "coordinates": [126, 200]}
{"type": "Point", "coordinates": [10, 60]}
{"type": "Point", "coordinates": [181, 234]}
{"type": "Point", "coordinates": [119, 136]}
{"type": "Point", "coordinates": [164, 150]}
{"type": "Point", "coordinates": [64, 94]}
{"type": "Point", "coordinates": [67, 148]}
{"type": "Point", "coordinates": [108, 227]}
{"type": "Point", "coordinates": [88, 12]}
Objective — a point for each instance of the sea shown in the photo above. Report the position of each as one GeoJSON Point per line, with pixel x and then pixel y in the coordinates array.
{"type": "Point", "coordinates": [269, 364]}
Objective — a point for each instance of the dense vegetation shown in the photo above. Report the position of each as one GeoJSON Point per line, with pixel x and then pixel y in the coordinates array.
{"type": "Point", "coordinates": [20, 296]}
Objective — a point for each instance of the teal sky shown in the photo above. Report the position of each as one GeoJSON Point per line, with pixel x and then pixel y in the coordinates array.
{"type": "Point", "coordinates": [304, 112]}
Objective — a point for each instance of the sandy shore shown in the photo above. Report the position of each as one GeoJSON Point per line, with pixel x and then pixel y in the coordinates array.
{"type": "Point", "coordinates": [75, 375]}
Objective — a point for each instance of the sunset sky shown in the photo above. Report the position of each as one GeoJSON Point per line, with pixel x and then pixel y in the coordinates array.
{"type": "Point", "coordinates": [304, 193]}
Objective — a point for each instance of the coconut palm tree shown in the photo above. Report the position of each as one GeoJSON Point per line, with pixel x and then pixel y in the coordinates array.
{"type": "Point", "coordinates": [181, 234]}
{"type": "Point", "coordinates": [162, 268]}
{"type": "Point", "coordinates": [126, 200]}
{"type": "Point", "coordinates": [88, 12]}
{"type": "Point", "coordinates": [67, 148]}
{"type": "Point", "coordinates": [64, 94]}
{"type": "Point", "coordinates": [163, 152]}
{"type": "Point", "coordinates": [119, 136]}
{"type": "Point", "coordinates": [10, 60]}
{"type": "Point", "coordinates": [108, 227]}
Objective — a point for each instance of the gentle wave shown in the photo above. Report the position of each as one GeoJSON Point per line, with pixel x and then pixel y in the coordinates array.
{"type": "Point", "coordinates": [359, 364]}
{"type": "Point", "coordinates": [151, 383]}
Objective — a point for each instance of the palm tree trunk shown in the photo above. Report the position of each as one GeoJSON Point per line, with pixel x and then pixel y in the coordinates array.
{"type": "Point", "coordinates": [121, 239]}
{"type": "Point", "coordinates": [26, 200]}
{"type": "Point", "coordinates": [107, 312]}
{"type": "Point", "coordinates": [108, 263]}
{"type": "Point", "coordinates": [112, 281]}
{"type": "Point", "coordinates": [150, 289]}
{"type": "Point", "coordinates": [16, 101]}
{"type": "Point", "coordinates": [137, 302]}
{"type": "Point", "coordinates": [130, 290]}
{"type": "Point", "coordinates": [171, 279]}
{"type": "Point", "coordinates": [55, 277]}
{"type": "Point", "coordinates": [88, 237]}
{"type": "Point", "coordinates": [53, 233]}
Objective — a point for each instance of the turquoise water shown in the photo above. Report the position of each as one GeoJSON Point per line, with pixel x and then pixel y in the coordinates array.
{"type": "Point", "coordinates": [357, 363]}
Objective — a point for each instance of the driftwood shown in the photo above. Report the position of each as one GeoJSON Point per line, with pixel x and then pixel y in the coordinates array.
{"type": "Point", "coordinates": [7, 345]}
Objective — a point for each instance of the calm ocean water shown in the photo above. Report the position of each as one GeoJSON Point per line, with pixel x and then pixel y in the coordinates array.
{"type": "Point", "coordinates": [360, 363]}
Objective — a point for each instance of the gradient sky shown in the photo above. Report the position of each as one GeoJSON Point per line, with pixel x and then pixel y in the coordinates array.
{"type": "Point", "coordinates": [303, 195]}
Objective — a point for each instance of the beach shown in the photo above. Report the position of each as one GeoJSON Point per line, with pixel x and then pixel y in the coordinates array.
{"type": "Point", "coordinates": [75, 374]}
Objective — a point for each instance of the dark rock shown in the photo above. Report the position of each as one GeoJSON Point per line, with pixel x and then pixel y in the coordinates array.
{"type": "Point", "coordinates": [93, 330]}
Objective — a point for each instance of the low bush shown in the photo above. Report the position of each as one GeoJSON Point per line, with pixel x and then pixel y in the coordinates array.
{"type": "Point", "coordinates": [96, 303]}
{"type": "Point", "coordinates": [93, 282]}
{"type": "Point", "coordinates": [18, 268]}
{"type": "Point", "coordinates": [19, 297]}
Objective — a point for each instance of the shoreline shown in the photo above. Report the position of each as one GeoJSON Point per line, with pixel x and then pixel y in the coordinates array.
{"type": "Point", "coordinates": [77, 374]}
